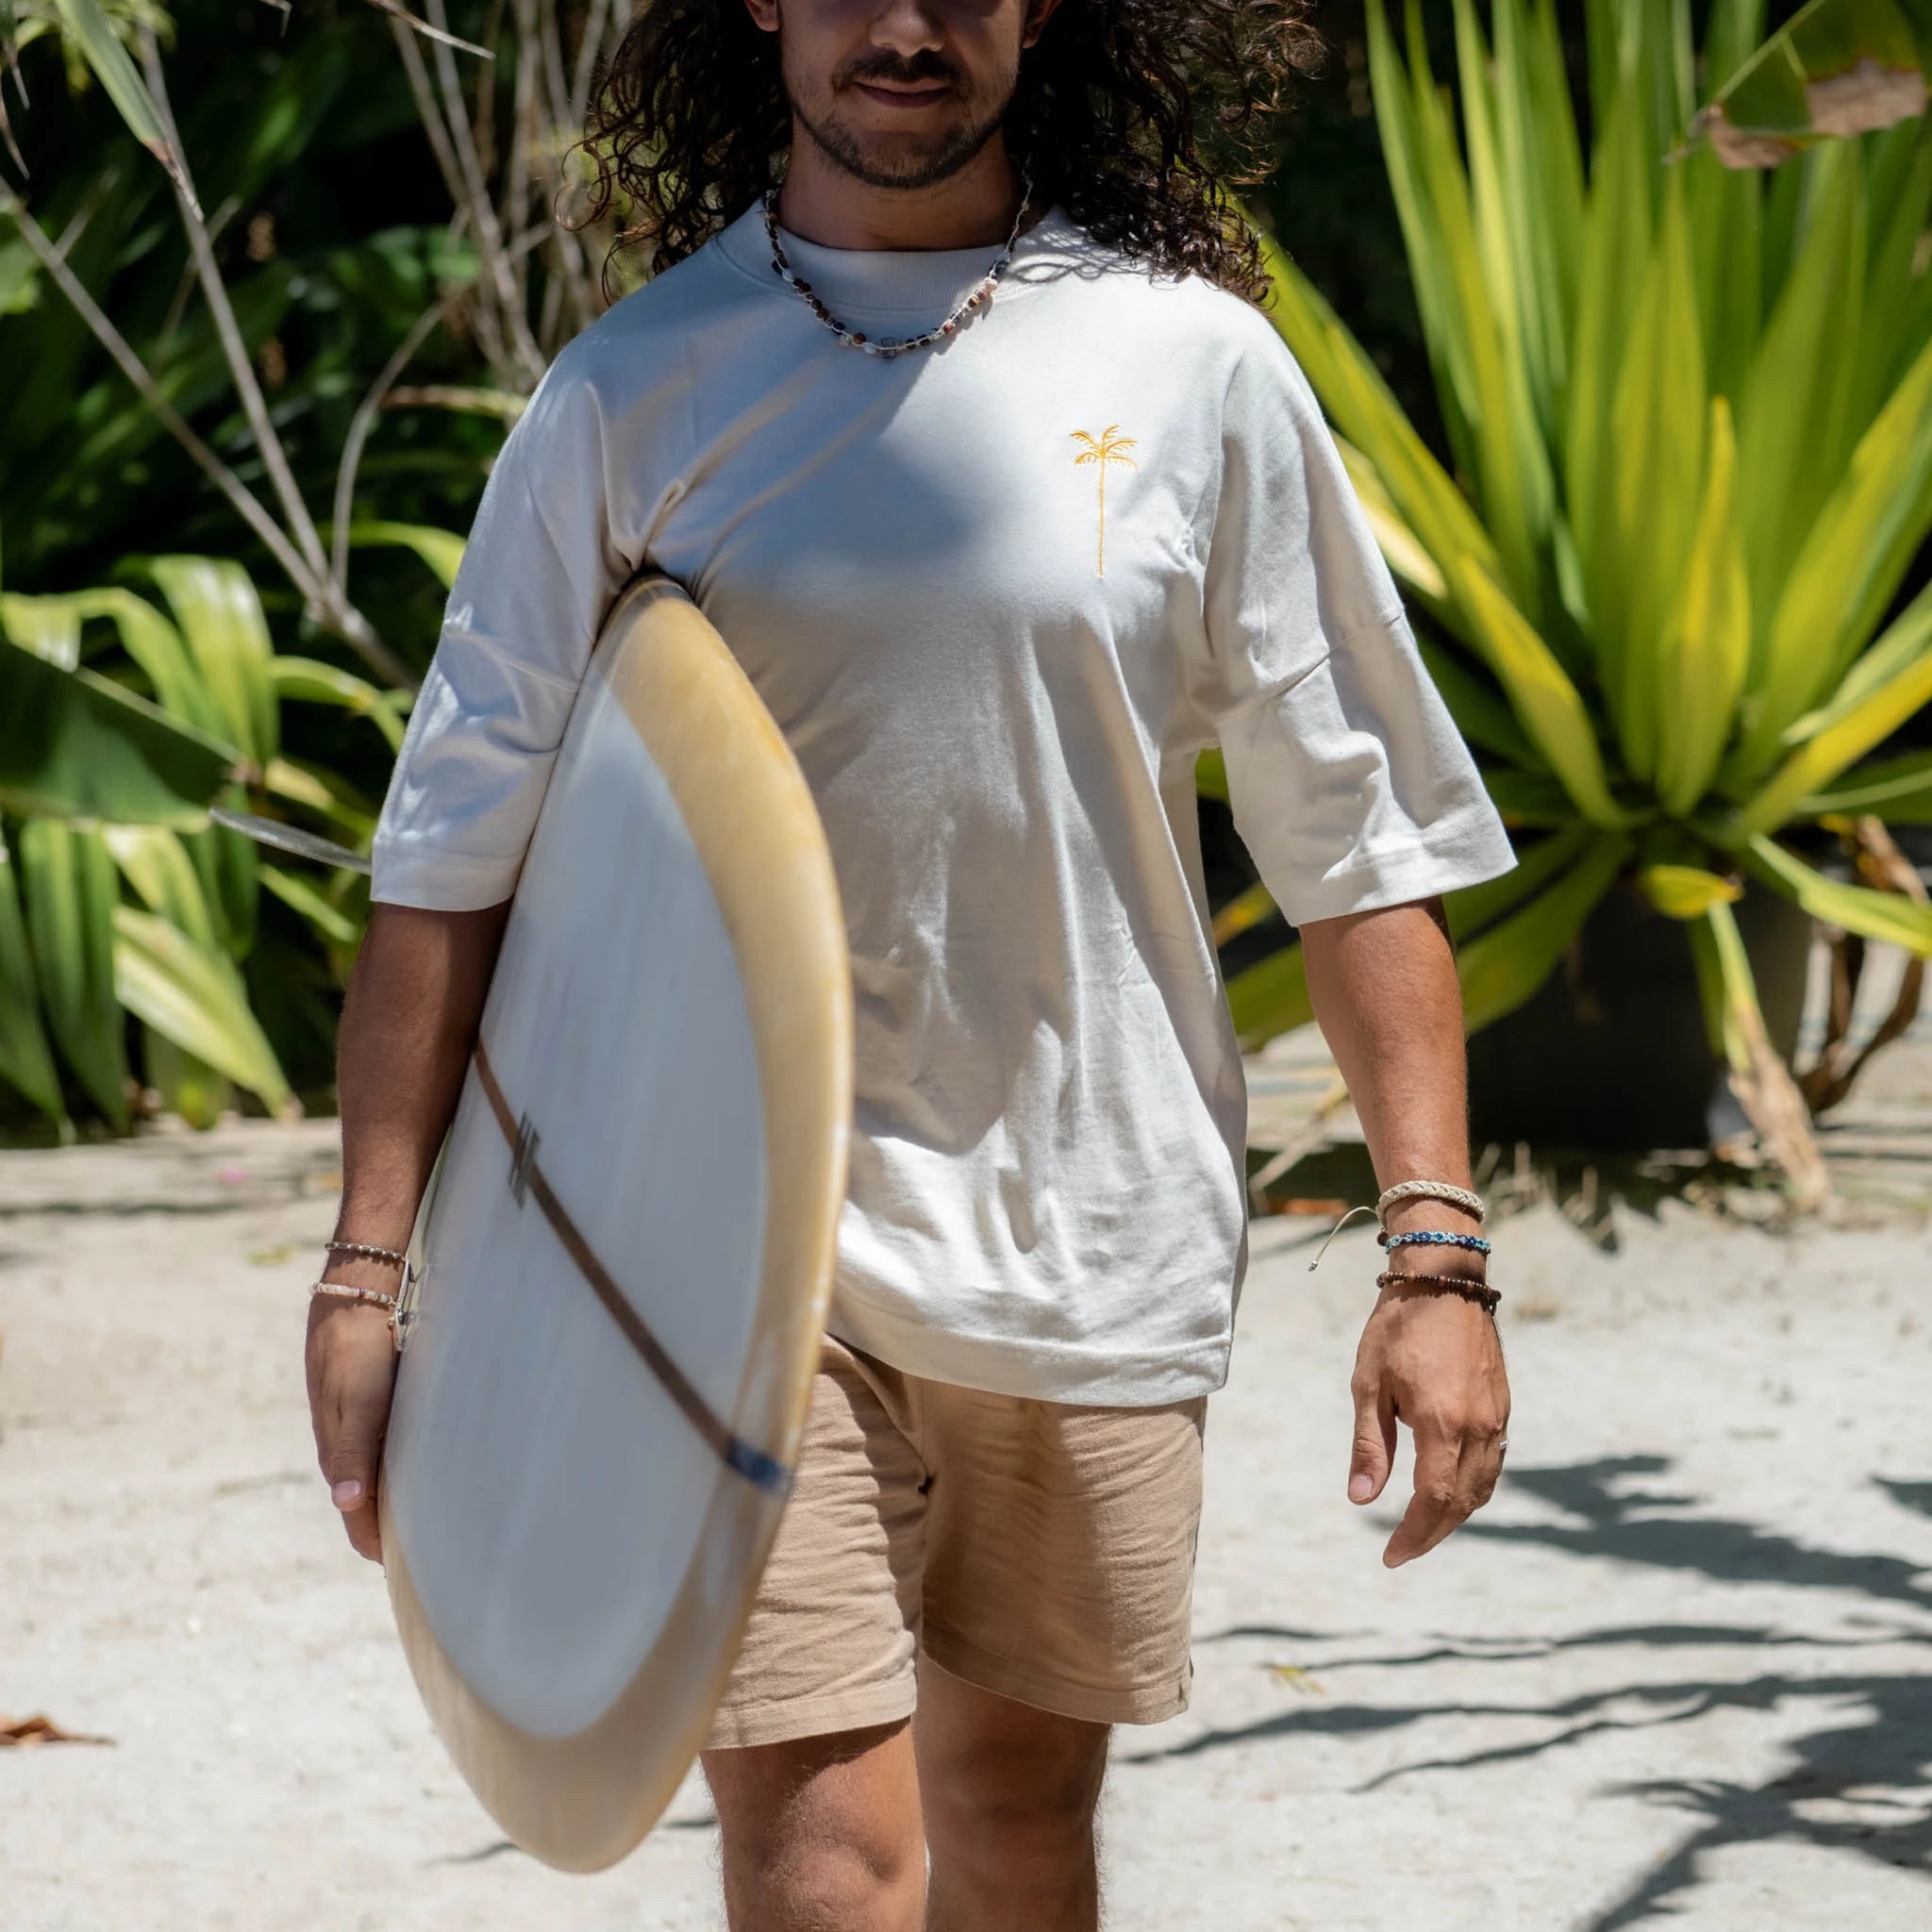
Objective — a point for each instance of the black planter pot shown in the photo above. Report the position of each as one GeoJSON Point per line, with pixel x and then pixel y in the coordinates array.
{"type": "Point", "coordinates": [1611, 1052]}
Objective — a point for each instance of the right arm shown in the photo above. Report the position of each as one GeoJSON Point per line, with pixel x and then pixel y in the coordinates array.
{"type": "Point", "coordinates": [408, 1027]}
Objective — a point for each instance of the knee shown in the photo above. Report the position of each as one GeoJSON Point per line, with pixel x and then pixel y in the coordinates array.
{"type": "Point", "coordinates": [1006, 1808]}
{"type": "Point", "coordinates": [823, 1881]}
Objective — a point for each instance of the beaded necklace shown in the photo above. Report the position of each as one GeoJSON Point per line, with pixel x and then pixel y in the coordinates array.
{"type": "Point", "coordinates": [890, 346]}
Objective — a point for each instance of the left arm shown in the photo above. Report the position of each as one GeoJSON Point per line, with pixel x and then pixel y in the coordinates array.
{"type": "Point", "coordinates": [1385, 992]}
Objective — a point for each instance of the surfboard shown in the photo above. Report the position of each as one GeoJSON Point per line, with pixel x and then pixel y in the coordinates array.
{"type": "Point", "coordinates": [627, 1252]}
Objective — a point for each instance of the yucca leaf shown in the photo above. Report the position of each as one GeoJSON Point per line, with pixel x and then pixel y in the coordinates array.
{"type": "Point", "coordinates": [1707, 654]}
{"type": "Point", "coordinates": [1887, 916]}
{"type": "Point", "coordinates": [1851, 565]}
{"type": "Point", "coordinates": [219, 614]}
{"type": "Point", "coordinates": [1795, 432]}
{"type": "Point", "coordinates": [1503, 967]}
{"type": "Point", "coordinates": [1899, 791]}
{"type": "Point", "coordinates": [1617, 253]}
{"type": "Point", "coordinates": [327, 683]}
{"type": "Point", "coordinates": [196, 998]}
{"type": "Point", "coordinates": [1544, 700]}
{"type": "Point", "coordinates": [1269, 997]}
{"type": "Point", "coordinates": [1211, 775]}
{"type": "Point", "coordinates": [1835, 748]}
{"type": "Point", "coordinates": [1838, 67]}
{"type": "Point", "coordinates": [1686, 892]}
{"type": "Point", "coordinates": [77, 745]}
{"type": "Point", "coordinates": [71, 893]}
{"type": "Point", "coordinates": [1481, 715]}
{"type": "Point", "coordinates": [1656, 437]}
{"type": "Point", "coordinates": [1475, 907]}
{"type": "Point", "coordinates": [1528, 801]}
{"type": "Point", "coordinates": [441, 550]}
{"type": "Point", "coordinates": [1364, 409]}
{"type": "Point", "coordinates": [27, 1061]}
{"type": "Point", "coordinates": [1398, 544]}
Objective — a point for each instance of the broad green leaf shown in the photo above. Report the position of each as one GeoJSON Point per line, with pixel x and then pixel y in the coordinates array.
{"type": "Point", "coordinates": [1706, 649]}
{"type": "Point", "coordinates": [196, 998]}
{"type": "Point", "coordinates": [1476, 907]}
{"type": "Point", "coordinates": [154, 862]}
{"type": "Point", "coordinates": [1503, 967]}
{"type": "Point", "coordinates": [441, 550]}
{"type": "Point", "coordinates": [327, 683]}
{"type": "Point", "coordinates": [301, 896]}
{"type": "Point", "coordinates": [220, 615]}
{"type": "Point", "coordinates": [1837, 68]}
{"type": "Point", "coordinates": [71, 891]}
{"type": "Point", "coordinates": [187, 1085]}
{"type": "Point", "coordinates": [77, 745]}
{"type": "Point", "coordinates": [1887, 916]}
{"type": "Point", "coordinates": [1269, 997]}
{"type": "Point", "coordinates": [1686, 892]}
{"type": "Point", "coordinates": [47, 626]}
{"type": "Point", "coordinates": [27, 1061]}
{"type": "Point", "coordinates": [1544, 700]}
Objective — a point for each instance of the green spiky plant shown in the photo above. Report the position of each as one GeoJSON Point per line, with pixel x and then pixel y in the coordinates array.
{"type": "Point", "coordinates": [119, 900]}
{"type": "Point", "coordinates": [1689, 412]}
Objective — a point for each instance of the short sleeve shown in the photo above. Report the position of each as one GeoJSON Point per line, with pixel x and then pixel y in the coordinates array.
{"type": "Point", "coordinates": [1350, 784]}
{"type": "Point", "coordinates": [542, 566]}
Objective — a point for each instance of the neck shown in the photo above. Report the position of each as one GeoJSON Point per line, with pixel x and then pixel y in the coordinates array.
{"type": "Point", "coordinates": [820, 202]}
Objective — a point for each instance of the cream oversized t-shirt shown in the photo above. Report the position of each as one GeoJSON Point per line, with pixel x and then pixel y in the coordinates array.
{"type": "Point", "coordinates": [998, 596]}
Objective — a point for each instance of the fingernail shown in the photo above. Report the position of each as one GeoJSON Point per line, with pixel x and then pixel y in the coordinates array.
{"type": "Point", "coordinates": [1359, 1488]}
{"type": "Point", "coordinates": [346, 1494]}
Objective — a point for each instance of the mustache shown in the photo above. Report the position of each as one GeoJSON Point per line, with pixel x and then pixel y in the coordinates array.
{"type": "Point", "coordinates": [926, 68]}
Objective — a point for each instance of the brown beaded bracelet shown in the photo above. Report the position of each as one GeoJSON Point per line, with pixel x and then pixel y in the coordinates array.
{"type": "Point", "coordinates": [1465, 1285]}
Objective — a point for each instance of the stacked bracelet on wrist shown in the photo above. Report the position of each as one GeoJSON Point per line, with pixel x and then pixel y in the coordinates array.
{"type": "Point", "coordinates": [401, 1305]}
{"type": "Point", "coordinates": [1466, 1286]}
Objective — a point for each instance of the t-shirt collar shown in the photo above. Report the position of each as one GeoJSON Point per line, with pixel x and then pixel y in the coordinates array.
{"type": "Point", "coordinates": [909, 285]}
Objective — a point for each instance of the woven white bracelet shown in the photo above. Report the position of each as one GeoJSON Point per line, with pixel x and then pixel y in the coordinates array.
{"type": "Point", "coordinates": [1429, 1191]}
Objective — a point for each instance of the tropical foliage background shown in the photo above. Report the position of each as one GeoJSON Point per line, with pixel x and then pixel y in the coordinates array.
{"type": "Point", "coordinates": [1648, 440]}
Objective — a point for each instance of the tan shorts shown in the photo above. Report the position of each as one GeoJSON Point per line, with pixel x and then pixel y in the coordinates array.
{"type": "Point", "coordinates": [1039, 1550]}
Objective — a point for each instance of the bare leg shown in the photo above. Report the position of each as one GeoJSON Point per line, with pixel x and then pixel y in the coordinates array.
{"type": "Point", "coordinates": [822, 1835]}
{"type": "Point", "coordinates": [1010, 1793]}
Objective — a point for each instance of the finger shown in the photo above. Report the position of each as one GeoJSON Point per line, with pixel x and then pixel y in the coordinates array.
{"type": "Point", "coordinates": [1432, 1511]}
{"type": "Point", "coordinates": [352, 1418]}
{"type": "Point", "coordinates": [1374, 1454]}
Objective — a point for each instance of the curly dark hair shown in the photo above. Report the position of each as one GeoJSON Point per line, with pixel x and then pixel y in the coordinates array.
{"type": "Point", "coordinates": [1138, 116]}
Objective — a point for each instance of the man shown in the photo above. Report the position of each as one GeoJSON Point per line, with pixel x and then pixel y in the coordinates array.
{"type": "Point", "coordinates": [999, 586]}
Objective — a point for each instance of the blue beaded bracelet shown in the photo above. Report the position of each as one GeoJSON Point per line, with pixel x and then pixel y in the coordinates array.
{"type": "Point", "coordinates": [1430, 1237]}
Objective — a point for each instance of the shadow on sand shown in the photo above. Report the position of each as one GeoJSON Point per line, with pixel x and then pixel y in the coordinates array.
{"type": "Point", "coordinates": [1863, 1780]}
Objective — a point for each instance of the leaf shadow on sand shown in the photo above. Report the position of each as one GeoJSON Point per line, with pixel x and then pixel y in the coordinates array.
{"type": "Point", "coordinates": [1861, 1780]}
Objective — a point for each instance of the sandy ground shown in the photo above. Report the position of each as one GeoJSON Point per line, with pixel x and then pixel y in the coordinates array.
{"type": "Point", "coordinates": [1681, 1669]}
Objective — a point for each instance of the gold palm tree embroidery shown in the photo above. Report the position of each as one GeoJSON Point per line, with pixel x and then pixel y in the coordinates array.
{"type": "Point", "coordinates": [1108, 447]}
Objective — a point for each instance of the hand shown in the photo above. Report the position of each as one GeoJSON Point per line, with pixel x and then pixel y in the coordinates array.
{"type": "Point", "coordinates": [351, 1359]}
{"type": "Point", "coordinates": [1435, 1362]}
